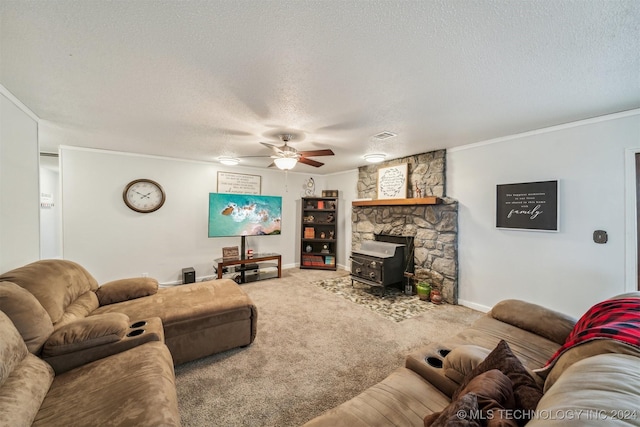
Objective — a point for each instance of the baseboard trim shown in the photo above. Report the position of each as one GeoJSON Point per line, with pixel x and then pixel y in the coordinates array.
{"type": "Point", "coordinates": [474, 306]}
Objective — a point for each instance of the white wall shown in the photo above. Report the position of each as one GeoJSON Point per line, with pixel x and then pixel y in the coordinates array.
{"type": "Point", "coordinates": [112, 241]}
{"type": "Point", "coordinates": [566, 270]}
{"type": "Point", "coordinates": [347, 185]}
{"type": "Point", "coordinates": [19, 192]}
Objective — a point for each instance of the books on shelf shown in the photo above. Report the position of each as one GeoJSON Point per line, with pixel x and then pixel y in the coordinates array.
{"type": "Point", "coordinates": [312, 260]}
{"type": "Point", "coordinates": [320, 204]}
{"type": "Point", "coordinates": [309, 233]}
{"type": "Point", "coordinates": [319, 260]}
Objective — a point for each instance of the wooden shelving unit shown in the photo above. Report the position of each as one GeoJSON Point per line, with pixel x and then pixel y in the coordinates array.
{"type": "Point", "coordinates": [319, 234]}
{"type": "Point", "coordinates": [399, 202]}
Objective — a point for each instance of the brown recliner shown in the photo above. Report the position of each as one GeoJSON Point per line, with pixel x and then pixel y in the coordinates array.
{"type": "Point", "coordinates": [86, 321]}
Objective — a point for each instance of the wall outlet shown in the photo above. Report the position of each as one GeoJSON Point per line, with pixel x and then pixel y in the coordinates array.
{"type": "Point", "coordinates": [145, 274]}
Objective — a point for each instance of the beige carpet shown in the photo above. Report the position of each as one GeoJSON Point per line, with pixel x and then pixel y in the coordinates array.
{"type": "Point", "coordinates": [314, 350]}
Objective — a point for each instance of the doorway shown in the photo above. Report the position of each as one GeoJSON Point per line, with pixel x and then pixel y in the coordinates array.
{"type": "Point", "coordinates": [638, 220]}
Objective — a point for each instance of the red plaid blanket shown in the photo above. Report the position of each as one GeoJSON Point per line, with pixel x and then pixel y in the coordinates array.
{"type": "Point", "coordinates": [617, 319]}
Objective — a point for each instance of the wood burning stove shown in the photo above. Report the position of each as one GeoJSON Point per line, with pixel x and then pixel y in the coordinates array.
{"type": "Point", "coordinates": [378, 264]}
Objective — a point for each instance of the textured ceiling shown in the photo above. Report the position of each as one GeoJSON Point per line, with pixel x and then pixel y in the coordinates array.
{"type": "Point", "coordinates": [201, 79]}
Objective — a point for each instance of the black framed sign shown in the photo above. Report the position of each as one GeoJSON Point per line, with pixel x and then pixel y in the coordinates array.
{"type": "Point", "coordinates": [528, 206]}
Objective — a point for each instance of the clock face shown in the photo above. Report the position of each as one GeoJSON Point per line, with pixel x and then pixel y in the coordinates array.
{"type": "Point", "coordinates": [143, 195]}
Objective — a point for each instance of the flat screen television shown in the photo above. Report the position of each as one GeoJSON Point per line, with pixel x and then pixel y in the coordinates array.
{"type": "Point", "coordinates": [244, 215]}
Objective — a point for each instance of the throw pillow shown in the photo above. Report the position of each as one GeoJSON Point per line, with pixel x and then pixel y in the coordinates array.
{"type": "Point", "coordinates": [492, 385]}
{"type": "Point", "coordinates": [525, 389]}
{"type": "Point", "coordinates": [494, 393]}
{"type": "Point", "coordinates": [126, 289]}
{"type": "Point", "coordinates": [460, 413]}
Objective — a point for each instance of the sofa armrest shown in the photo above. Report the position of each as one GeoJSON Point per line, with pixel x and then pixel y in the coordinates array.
{"type": "Point", "coordinates": [85, 333]}
{"type": "Point", "coordinates": [134, 334]}
{"type": "Point", "coordinates": [126, 289]}
{"type": "Point", "coordinates": [534, 318]}
{"type": "Point", "coordinates": [428, 363]}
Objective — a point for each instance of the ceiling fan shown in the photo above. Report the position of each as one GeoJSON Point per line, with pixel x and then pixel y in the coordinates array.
{"type": "Point", "coordinates": [286, 157]}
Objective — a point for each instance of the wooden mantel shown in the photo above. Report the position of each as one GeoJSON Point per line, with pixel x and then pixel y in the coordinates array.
{"type": "Point", "coordinates": [399, 202]}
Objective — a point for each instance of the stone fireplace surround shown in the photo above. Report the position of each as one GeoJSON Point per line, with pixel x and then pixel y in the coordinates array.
{"type": "Point", "coordinates": [434, 227]}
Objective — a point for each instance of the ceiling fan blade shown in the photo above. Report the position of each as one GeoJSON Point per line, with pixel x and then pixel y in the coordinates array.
{"type": "Point", "coordinates": [310, 162]}
{"type": "Point", "coordinates": [273, 147]}
{"type": "Point", "coordinates": [314, 153]}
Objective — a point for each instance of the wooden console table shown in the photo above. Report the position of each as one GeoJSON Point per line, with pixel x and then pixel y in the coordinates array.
{"type": "Point", "coordinates": [220, 263]}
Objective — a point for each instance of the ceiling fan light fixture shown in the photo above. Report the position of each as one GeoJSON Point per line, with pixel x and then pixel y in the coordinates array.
{"type": "Point", "coordinates": [285, 163]}
{"type": "Point", "coordinates": [375, 157]}
{"type": "Point", "coordinates": [229, 161]}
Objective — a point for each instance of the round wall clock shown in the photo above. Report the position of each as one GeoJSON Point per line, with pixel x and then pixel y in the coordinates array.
{"type": "Point", "coordinates": [143, 195]}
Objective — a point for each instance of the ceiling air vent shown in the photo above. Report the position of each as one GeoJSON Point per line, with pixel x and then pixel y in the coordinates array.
{"type": "Point", "coordinates": [384, 135]}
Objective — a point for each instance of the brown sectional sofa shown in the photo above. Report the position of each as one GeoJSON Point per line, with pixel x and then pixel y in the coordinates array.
{"type": "Point", "coordinates": [104, 355]}
{"type": "Point", "coordinates": [594, 384]}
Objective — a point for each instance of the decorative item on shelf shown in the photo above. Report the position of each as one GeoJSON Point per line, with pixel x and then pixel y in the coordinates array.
{"type": "Point", "coordinates": [331, 234]}
{"type": "Point", "coordinates": [310, 206]}
{"type": "Point", "coordinates": [320, 204]}
{"type": "Point", "coordinates": [436, 296]}
{"type": "Point", "coordinates": [392, 182]}
{"type": "Point", "coordinates": [231, 252]}
{"type": "Point", "coordinates": [308, 218]}
{"type": "Point", "coordinates": [330, 217]}
{"type": "Point", "coordinates": [308, 248]}
{"type": "Point", "coordinates": [332, 205]}
{"type": "Point", "coordinates": [309, 188]}
{"type": "Point", "coordinates": [322, 235]}
{"type": "Point", "coordinates": [249, 253]}
{"type": "Point", "coordinates": [329, 193]}
{"type": "Point", "coordinates": [424, 290]}
{"type": "Point", "coordinates": [418, 192]}
{"type": "Point", "coordinates": [309, 233]}
{"type": "Point", "coordinates": [325, 249]}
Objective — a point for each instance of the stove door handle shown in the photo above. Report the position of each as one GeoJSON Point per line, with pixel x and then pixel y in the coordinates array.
{"type": "Point", "coordinates": [356, 262]}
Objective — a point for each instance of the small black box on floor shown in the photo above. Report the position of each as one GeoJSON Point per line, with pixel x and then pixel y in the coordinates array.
{"type": "Point", "coordinates": [188, 275]}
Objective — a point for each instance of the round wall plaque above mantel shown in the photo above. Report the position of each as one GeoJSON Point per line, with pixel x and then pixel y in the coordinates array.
{"type": "Point", "coordinates": [143, 195]}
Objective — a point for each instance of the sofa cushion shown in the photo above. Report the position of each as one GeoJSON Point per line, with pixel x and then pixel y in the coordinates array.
{"type": "Point", "coordinates": [85, 333]}
{"type": "Point", "coordinates": [584, 351]}
{"type": "Point", "coordinates": [126, 289]}
{"type": "Point", "coordinates": [55, 283]}
{"type": "Point", "coordinates": [83, 306]}
{"type": "Point", "coordinates": [26, 313]}
{"type": "Point", "coordinates": [462, 360]}
{"type": "Point", "coordinates": [132, 388]}
{"type": "Point", "coordinates": [24, 391]}
{"type": "Point", "coordinates": [526, 391]}
{"type": "Point", "coordinates": [597, 391]}
{"type": "Point", "coordinates": [24, 378]}
{"type": "Point", "coordinates": [401, 399]}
